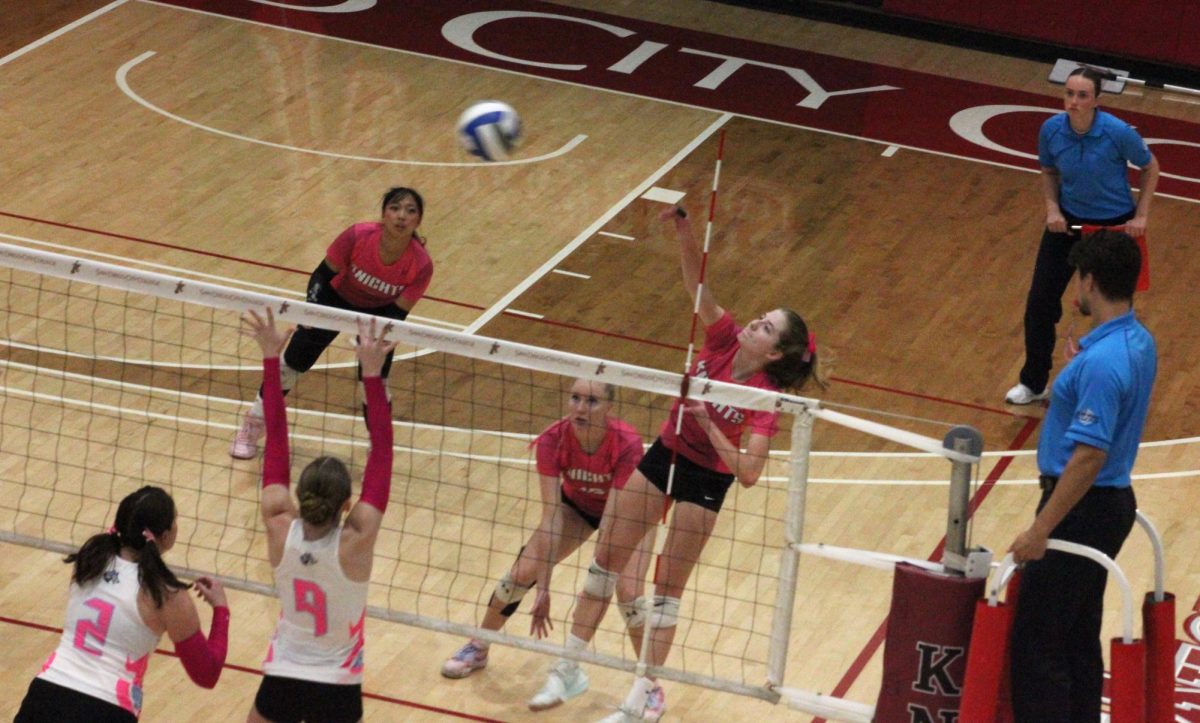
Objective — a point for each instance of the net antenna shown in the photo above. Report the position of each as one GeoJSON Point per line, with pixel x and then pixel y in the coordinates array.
{"type": "Point", "coordinates": [684, 388]}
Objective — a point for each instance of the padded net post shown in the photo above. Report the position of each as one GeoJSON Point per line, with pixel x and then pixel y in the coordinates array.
{"type": "Point", "coordinates": [966, 440]}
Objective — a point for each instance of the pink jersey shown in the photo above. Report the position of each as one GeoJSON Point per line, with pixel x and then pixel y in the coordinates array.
{"type": "Point", "coordinates": [587, 478]}
{"type": "Point", "coordinates": [105, 646]}
{"type": "Point", "coordinates": [715, 362]}
{"type": "Point", "coordinates": [365, 281]}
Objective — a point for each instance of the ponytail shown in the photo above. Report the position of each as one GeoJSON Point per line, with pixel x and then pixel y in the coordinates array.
{"type": "Point", "coordinates": [94, 556]}
{"type": "Point", "coordinates": [143, 517]}
{"type": "Point", "coordinates": [800, 360]}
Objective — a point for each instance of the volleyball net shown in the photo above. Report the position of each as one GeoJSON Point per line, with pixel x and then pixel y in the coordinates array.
{"type": "Point", "coordinates": [113, 378]}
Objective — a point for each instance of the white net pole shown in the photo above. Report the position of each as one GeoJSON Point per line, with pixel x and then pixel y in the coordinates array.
{"type": "Point", "coordinates": [789, 558]}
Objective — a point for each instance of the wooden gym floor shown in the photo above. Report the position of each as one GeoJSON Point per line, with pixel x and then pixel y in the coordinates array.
{"type": "Point", "coordinates": [910, 265]}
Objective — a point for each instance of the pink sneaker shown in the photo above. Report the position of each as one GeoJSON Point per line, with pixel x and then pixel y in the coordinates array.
{"type": "Point", "coordinates": [245, 442]}
{"type": "Point", "coordinates": [656, 704]}
{"type": "Point", "coordinates": [467, 660]}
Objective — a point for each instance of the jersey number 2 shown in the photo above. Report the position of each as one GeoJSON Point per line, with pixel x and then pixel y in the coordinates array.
{"type": "Point", "coordinates": [310, 598]}
{"type": "Point", "coordinates": [97, 629]}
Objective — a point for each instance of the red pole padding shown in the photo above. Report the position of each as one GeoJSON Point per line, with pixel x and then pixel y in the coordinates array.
{"type": "Point", "coordinates": [987, 662]}
{"type": "Point", "coordinates": [1128, 682]}
{"type": "Point", "coordinates": [1158, 627]}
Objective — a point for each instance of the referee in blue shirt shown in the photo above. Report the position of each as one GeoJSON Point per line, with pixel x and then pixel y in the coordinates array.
{"type": "Point", "coordinates": [1086, 451]}
{"type": "Point", "coordinates": [1083, 153]}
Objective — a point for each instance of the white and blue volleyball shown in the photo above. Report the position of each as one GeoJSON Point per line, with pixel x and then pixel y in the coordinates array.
{"type": "Point", "coordinates": [489, 129]}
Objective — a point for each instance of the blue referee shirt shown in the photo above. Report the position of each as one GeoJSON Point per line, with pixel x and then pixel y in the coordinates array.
{"type": "Point", "coordinates": [1091, 167]}
{"type": "Point", "coordinates": [1100, 399]}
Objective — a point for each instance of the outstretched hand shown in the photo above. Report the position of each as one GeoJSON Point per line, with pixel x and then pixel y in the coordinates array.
{"type": "Point", "coordinates": [372, 349]}
{"type": "Point", "coordinates": [541, 625]}
{"type": "Point", "coordinates": [269, 339]}
{"type": "Point", "coordinates": [211, 591]}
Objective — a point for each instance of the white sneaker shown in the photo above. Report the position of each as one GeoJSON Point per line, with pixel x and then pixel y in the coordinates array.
{"type": "Point", "coordinates": [1022, 394]}
{"type": "Point", "coordinates": [566, 681]}
{"type": "Point", "coordinates": [245, 442]}
{"type": "Point", "coordinates": [467, 660]}
{"type": "Point", "coordinates": [656, 706]}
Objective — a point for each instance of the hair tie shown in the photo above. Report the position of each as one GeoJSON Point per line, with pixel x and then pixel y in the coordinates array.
{"type": "Point", "coordinates": [812, 348]}
{"type": "Point", "coordinates": [146, 533]}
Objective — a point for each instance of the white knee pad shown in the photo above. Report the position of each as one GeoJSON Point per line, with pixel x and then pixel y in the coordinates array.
{"type": "Point", "coordinates": [665, 613]}
{"type": "Point", "coordinates": [287, 376]}
{"type": "Point", "coordinates": [634, 612]}
{"type": "Point", "coordinates": [600, 583]}
{"type": "Point", "coordinates": [509, 591]}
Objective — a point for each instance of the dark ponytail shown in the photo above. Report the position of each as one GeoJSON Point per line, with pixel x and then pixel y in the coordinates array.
{"type": "Point", "coordinates": [148, 510]}
{"type": "Point", "coordinates": [799, 362]}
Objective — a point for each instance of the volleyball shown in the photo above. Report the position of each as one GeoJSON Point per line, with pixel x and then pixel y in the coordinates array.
{"type": "Point", "coordinates": [489, 129]}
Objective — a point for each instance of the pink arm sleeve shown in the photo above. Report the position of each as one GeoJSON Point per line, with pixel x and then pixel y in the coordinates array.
{"type": "Point", "coordinates": [203, 659]}
{"type": "Point", "coordinates": [377, 478]}
{"type": "Point", "coordinates": [276, 464]}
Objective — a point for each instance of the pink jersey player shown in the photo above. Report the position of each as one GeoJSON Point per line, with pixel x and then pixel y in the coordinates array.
{"type": "Point", "coordinates": [581, 458]}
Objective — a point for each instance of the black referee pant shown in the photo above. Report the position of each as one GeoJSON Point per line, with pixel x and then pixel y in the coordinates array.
{"type": "Point", "coordinates": [1057, 663]}
{"type": "Point", "coordinates": [1043, 305]}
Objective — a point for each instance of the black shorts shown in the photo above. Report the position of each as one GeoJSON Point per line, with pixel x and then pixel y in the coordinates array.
{"type": "Point", "coordinates": [592, 520]}
{"type": "Point", "coordinates": [290, 700]}
{"type": "Point", "coordinates": [52, 703]}
{"type": "Point", "coordinates": [693, 483]}
{"type": "Point", "coordinates": [307, 343]}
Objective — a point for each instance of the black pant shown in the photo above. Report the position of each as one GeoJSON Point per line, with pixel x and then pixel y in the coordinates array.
{"type": "Point", "coordinates": [307, 343]}
{"type": "Point", "coordinates": [1057, 663]}
{"type": "Point", "coordinates": [1043, 305]}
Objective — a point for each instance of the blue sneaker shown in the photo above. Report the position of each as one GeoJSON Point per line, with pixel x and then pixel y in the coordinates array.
{"type": "Point", "coordinates": [467, 660]}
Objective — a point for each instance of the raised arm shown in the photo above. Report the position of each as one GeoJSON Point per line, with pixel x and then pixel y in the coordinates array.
{"type": "Point", "coordinates": [363, 522]}
{"type": "Point", "coordinates": [278, 510]}
{"type": "Point", "coordinates": [691, 260]}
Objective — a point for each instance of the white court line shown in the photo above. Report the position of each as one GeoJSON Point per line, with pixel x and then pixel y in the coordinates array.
{"type": "Point", "coordinates": [595, 226]}
{"type": "Point", "coordinates": [663, 195]}
{"type": "Point", "coordinates": [621, 236]}
{"type": "Point", "coordinates": [529, 314]}
{"type": "Point", "coordinates": [119, 411]}
{"type": "Point", "coordinates": [571, 273]}
{"type": "Point", "coordinates": [890, 151]}
{"type": "Point", "coordinates": [61, 31]}
{"type": "Point", "coordinates": [161, 392]}
{"type": "Point", "coordinates": [182, 271]}
{"type": "Point", "coordinates": [629, 94]}
{"type": "Point", "coordinates": [123, 84]}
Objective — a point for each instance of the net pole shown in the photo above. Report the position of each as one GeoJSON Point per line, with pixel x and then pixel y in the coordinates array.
{"type": "Point", "coordinates": [789, 559]}
{"type": "Point", "coordinates": [660, 540]}
{"type": "Point", "coordinates": [964, 440]}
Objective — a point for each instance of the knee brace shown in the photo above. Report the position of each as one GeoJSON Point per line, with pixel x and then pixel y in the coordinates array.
{"type": "Point", "coordinates": [600, 583]}
{"type": "Point", "coordinates": [633, 611]}
{"type": "Point", "coordinates": [510, 592]}
{"type": "Point", "coordinates": [665, 613]}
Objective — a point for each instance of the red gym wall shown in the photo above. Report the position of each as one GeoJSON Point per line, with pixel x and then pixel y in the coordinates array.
{"type": "Point", "coordinates": [1167, 31]}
